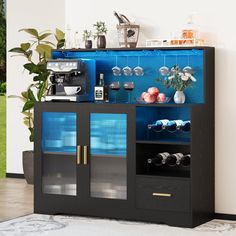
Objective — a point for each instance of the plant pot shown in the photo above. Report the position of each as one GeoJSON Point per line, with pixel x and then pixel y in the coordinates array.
{"type": "Point", "coordinates": [28, 166]}
{"type": "Point", "coordinates": [88, 44]}
{"type": "Point", "coordinates": [101, 41]}
{"type": "Point", "coordinates": [179, 97]}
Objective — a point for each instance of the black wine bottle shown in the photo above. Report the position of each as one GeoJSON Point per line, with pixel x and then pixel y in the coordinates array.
{"type": "Point", "coordinates": [174, 159]}
{"type": "Point", "coordinates": [185, 160]}
{"type": "Point", "coordinates": [158, 159]}
{"type": "Point", "coordinates": [159, 125]}
{"type": "Point", "coordinates": [186, 126]}
{"type": "Point", "coordinates": [173, 125]}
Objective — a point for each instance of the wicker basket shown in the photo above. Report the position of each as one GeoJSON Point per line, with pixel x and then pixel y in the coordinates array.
{"type": "Point", "coordinates": [128, 35]}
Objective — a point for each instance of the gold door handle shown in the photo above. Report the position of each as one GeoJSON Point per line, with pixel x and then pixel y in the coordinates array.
{"type": "Point", "coordinates": [85, 155]}
{"type": "Point", "coordinates": [78, 155]}
{"type": "Point", "coordinates": [161, 194]}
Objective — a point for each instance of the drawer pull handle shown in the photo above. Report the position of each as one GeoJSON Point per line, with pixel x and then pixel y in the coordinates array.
{"type": "Point", "coordinates": [161, 194]}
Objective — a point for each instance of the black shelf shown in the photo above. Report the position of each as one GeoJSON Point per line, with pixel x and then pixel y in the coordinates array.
{"type": "Point", "coordinates": [177, 175]}
{"type": "Point", "coordinates": [168, 142]}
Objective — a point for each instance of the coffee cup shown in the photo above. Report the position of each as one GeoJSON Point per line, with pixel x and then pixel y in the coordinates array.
{"type": "Point", "coordinates": [72, 90]}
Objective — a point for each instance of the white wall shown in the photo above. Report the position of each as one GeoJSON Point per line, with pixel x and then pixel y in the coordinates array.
{"type": "Point", "coordinates": [43, 15]}
{"type": "Point", "coordinates": [159, 18]}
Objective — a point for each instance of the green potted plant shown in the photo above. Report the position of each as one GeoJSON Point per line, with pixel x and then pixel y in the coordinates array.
{"type": "Point", "coordinates": [87, 35]}
{"type": "Point", "coordinates": [100, 32]}
{"type": "Point", "coordinates": [179, 81]}
{"type": "Point", "coordinates": [36, 52]}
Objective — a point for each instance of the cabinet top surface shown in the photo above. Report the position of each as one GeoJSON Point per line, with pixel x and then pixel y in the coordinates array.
{"type": "Point", "coordinates": [136, 49]}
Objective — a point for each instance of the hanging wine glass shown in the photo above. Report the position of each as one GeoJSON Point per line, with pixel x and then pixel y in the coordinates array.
{"type": "Point", "coordinates": [173, 69]}
{"type": "Point", "coordinates": [138, 70]}
{"type": "Point", "coordinates": [188, 68]}
{"type": "Point", "coordinates": [127, 71]}
{"type": "Point", "coordinates": [116, 70]}
{"type": "Point", "coordinates": [164, 70]}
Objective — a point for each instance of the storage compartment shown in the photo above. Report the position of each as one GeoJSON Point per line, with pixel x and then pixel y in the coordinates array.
{"type": "Point", "coordinates": [147, 151]}
{"type": "Point", "coordinates": [146, 117]}
{"type": "Point", "coordinates": [165, 194]}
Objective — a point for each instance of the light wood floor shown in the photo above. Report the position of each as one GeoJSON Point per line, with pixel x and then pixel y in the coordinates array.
{"type": "Point", "coordinates": [16, 198]}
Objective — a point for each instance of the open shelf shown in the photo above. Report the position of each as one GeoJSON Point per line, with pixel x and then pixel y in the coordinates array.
{"type": "Point", "coordinates": [146, 150]}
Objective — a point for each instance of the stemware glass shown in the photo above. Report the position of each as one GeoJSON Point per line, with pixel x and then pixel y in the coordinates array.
{"type": "Point", "coordinates": [129, 86]}
{"type": "Point", "coordinates": [115, 86]}
{"type": "Point", "coordinates": [116, 70]}
{"type": "Point", "coordinates": [188, 68]}
{"type": "Point", "coordinates": [176, 64]}
{"type": "Point", "coordinates": [138, 70]}
{"type": "Point", "coordinates": [127, 71]}
{"type": "Point", "coordinates": [164, 70]}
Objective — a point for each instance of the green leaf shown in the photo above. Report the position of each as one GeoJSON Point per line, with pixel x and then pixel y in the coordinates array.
{"type": "Point", "coordinates": [31, 137]}
{"type": "Point", "coordinates": [31, 31]}
{"type": "Point", "coordinates": [44, 50]}
{"type": "Point", "coordinates": [48, 42]}
{"type": "Point", "coordinates": [61, 44]}
{"type": "Point", "coordinates": [29, 54]}
{"type": "Point", "coordinates": [24, 94]}
{"type": "Point", "coordinates": [17, 50]}
{"type": "Point", "coordinates": [15, 96]}
{"type": "Point", "coordinates": [59, 34]}
{"type": "Point", "coordinates": [31, 95]}
{"type": "Point", "coordinates": [32, 68]}
{"type": "Point", "coordinates": [42, 90]}
{"type": "Point", "coordinates": [28, 105]}
{"type": "Point", "coordinates": [28, 114]}
{"type": "Point", "coordinates": [25, 46]}
{"type": "Point", "coordinates": [43, 36]}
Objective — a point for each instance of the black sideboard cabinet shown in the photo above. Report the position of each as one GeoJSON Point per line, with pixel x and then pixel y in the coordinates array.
{"type": "Point", "coordinates": [91, 158]}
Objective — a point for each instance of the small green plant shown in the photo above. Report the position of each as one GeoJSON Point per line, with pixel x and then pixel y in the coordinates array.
{"type": "Point", "coordinates": [36, 52]}
{"type": "Point", "coordinates": [3, 88]}
{"type": "Point", "coordinates": [87, 34]}
{"type": "Point", "coordinates": [100, 28]}
{"type": "Point", "coordinates": [178, 80]}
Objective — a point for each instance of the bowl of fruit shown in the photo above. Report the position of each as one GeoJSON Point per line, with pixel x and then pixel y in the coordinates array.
{"type": "Point", "coordinates": [153, 95]}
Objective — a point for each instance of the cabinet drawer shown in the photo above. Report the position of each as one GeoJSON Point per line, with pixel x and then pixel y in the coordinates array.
{"type": "Point", "coordinates": [157, 193]}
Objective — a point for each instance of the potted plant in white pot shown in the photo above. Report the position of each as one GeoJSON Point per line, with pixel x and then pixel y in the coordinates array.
{"type": "Point", "coordinates": [36, 52]}
{"type": "Point", "coordinates": [100, 32]}
{"type": "Point", "coordinates": [179, 81]}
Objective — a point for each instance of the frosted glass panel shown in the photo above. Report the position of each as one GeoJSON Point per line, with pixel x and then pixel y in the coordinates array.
{"type": "Point", "coordinates": [108, 143]}
{"type": "Point", "coordinates": [59, 153]}
{"type": "Point", "coordinates": [59, 132]}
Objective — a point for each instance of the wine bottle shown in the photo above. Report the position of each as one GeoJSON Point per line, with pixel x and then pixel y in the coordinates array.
{"type": "Point", "coordinates": [173, 125]}
{"type": "Point", "coordinates": [174, 159]}
{"type": "Point", "coordinates": [101, 91]}
{"type": "Point", "coordinates": [185, 160]}
{"type": "Point", "coordinates": [186, 126]}
{"type": "Point", "coordinates": [158, 159]}
{"type": "Point", "coordinates": [159, 125]}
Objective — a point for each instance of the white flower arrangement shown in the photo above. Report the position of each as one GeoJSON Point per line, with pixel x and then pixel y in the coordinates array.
{"type": "Point", "coordinates": [179, 80]}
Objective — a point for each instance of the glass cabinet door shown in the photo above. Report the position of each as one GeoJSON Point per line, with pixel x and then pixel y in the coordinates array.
{"type": "Point", "coordinates": [59, 142]}
{"type": "Point", "coordinates": [108, 155]}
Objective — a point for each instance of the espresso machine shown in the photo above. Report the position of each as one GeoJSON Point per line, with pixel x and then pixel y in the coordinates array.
{"type": "Point", "coordinates": [71, 80]}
